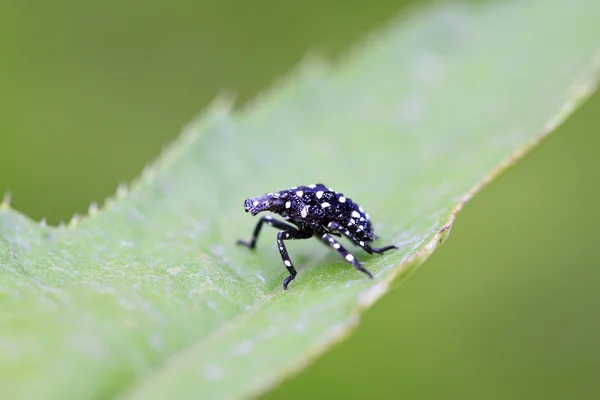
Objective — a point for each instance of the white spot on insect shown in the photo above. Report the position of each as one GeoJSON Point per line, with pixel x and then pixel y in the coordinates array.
{"type": "Point", "coordinates": [287, 235]}
{"type": "Point", "coordinates": [295, 187]}
{"type": "Point", "coordinates": [336, 246]}
{"type": "Point", "coordinates": [268, 217]}
{"type": "Point", "coordinates": [368, 217]}
{"type": "Point", "coordinates": [255, 203]}
{"type": "Point", "coordinates": [319, 194]}
{"type": "Point", "coordinates": [299, 193]}
{"type": "Point", "coordinates": [361, 209]}
{"type": "Point", "coordinates": [287, 263]}
{"type": "Point", "coordinates": [304, 212]}
{"type": "Point", "coordinates": [355, 214]}
{"type": "Point", "coordinates": [342, 199]}
{"type": "Point", "coordinates": [324, 236]}
{"type": "Point", "coordinates": [312, 186]}
{"type": "Point", "coordinates": [280, 247]}
{"type": "Point", "coordinates": [288, 204]}
{"type": "Point", "coordinates": [325, 205]}
{"type": "Point", "coordinates": [349, 257]}
{"type": "Point", "coordinates": [361, 243]}
{"type": "Point", "coordinates": [352, 221]}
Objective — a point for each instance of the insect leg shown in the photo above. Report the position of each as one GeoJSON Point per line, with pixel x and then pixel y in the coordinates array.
{"type": "Point", "coordinates": [330, 241]}
{"type": "Point", "coordinates": [378, 250]}
{"type": "Point", "coordinates": [291, 234]}
{"type": "Point", "coordinates": [337, 227]}
{"type": "Point", "coordinates": [269, 221]}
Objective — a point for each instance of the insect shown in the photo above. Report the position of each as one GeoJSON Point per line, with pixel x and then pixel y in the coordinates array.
{"type": "Point", "coordinates": [314, 210]}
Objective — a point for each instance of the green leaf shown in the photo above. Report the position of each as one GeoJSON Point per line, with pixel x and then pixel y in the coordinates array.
{"type": "Point", "coordinates": [151, 298]}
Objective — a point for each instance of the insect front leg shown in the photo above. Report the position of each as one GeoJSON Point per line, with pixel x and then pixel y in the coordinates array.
{"type": "Point", "coordinates": [330, 241]}
{"type": "Point", "coordinates": [291, 234]}
{"type": "Point", "coordinates": [269, 221]}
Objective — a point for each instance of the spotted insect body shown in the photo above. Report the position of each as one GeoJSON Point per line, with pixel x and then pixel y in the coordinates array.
{"type": "Point", "coordinates": [314, 210]}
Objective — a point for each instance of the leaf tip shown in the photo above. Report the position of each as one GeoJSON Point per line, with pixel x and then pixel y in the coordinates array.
{"type": "Point", "coordinates": [74, 220]}
{"type": "Point", "coordinates": [93, 208]}
{"type": "Point", "coordinates": [5, 203]}
{"type": "Point", "coordinates": [122, 189]}
{"type": "Point", "coordinates": [223, 103]}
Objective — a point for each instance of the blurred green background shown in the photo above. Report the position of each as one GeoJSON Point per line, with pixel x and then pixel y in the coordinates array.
{"type": "Point", "coordinates": [508, 308]}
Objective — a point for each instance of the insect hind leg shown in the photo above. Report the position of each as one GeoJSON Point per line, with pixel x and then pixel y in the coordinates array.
{"type": "Point", "coordinates": [380, 250]}
{"type": "Point", "coordinates": [366, 246]}
{"type": "Point", "coordinates": [331, 242]}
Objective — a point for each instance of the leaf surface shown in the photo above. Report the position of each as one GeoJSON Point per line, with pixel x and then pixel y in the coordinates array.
{"type": "Point", "coordinates": [151, 298]}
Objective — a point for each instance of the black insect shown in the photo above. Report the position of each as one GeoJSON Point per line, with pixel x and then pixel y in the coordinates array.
{"type": "Point", "coordinates": [314, 210]}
